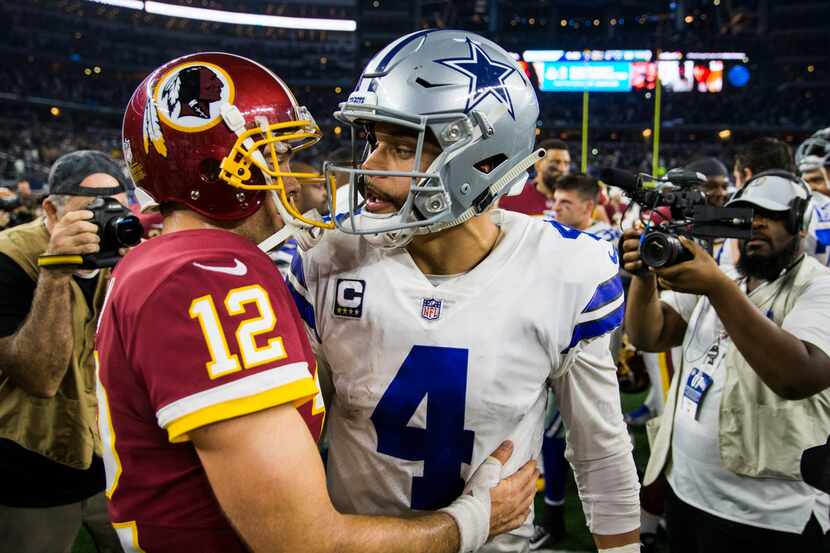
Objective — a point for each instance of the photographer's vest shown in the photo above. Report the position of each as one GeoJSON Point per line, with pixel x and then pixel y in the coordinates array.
{"type": "Point", "coordinates": [63, 428]}
{"type": "Point", "coordinates": [761, 434]}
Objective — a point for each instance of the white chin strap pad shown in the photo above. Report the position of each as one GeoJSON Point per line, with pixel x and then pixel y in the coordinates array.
{"type": "Point", "coordinates": [307, 236]}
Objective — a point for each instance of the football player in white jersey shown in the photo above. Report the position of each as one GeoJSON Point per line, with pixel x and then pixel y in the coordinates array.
{"type": "Point", "coordinates": [813, 161]}
{"type": "Point", "coordinates": [440, 321]}
{"type": "Point", "coordinates": [575, 200]}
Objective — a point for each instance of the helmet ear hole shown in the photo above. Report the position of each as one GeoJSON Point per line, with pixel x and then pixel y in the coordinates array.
{"type": "Point", "coordinates": [209, 171]}
{"type": "Point", "coordinates": [488, 165]}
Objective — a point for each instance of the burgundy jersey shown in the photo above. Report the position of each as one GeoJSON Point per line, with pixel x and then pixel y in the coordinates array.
{"type": "Point", "coordinates": [197, 327]}
{"type": "Point", "coordinates": [530, 201]}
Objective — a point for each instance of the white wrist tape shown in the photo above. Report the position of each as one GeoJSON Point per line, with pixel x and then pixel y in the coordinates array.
{"type": "Point", "coordinates": [627, 548]}
{"type": "Point", "coordinates": [471, 510]}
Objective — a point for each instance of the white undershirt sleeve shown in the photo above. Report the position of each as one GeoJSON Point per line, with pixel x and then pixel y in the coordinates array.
{"type": "Point", "coordinates": [599, 448]}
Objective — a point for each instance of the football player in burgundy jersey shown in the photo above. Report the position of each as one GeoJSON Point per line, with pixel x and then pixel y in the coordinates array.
{"type": "Point", "coordinates": [209, 404]}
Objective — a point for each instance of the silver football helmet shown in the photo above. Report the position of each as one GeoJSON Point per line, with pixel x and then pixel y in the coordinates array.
{"type": "Point", "coordinates": [474, 99]}
{"type": "Point", "coordinates": [814, 152]}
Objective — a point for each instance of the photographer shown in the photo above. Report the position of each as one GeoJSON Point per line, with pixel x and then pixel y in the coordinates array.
{"type": "Point", "coordinates": [50, 451]}
{"type": "Point", "coordinates": [751, 392]}
{"type": "Point", "coordinates": [19, 206]}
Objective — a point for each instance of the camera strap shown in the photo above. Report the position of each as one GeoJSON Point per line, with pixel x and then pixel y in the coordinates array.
{"type": "Point", "coordinates": [78, 190]}
{"type": "Point", "coordinates": [62, 261]}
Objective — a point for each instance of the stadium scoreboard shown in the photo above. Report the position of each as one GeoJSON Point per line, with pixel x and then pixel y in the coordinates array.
{"type": "Point", "coordinates": [633, 70]}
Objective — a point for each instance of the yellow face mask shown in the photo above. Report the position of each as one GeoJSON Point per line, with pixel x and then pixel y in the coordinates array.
{"type": "Point", "coordinates": [266, 147]}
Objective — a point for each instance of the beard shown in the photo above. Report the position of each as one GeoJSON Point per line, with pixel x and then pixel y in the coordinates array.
{"type": "Point", "coordinates": [768, 267]}
{"type": "Point", "coordinates": [549, 179]}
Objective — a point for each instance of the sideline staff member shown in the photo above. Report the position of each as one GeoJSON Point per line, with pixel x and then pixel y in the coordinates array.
{"type": "Point", "coordinates": [752, 391]}
{"type": "Point", "coordinates": [50, 452]}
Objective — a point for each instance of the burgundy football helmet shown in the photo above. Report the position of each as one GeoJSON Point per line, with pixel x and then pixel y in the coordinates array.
{"type": "Point", "coordinates": [213, 131]}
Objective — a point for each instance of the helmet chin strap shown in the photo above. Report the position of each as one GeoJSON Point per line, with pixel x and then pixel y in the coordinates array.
{"type": "Point", "coordinates": [307, 235]}
{"type": "Point", "coordinates": [389, 239]}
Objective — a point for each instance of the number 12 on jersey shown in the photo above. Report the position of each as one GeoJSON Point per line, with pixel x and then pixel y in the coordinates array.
{"type": "Point", "coordinates": [440, 374]}
{"type": "Point", "coordinates": [222, 361]}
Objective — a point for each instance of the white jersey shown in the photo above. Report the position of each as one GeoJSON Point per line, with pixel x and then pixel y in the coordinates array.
{"type": "Point", "coordinates": [429, 380]}
{"type": "Point", "coordinates": [817, 241]}
{"type": "Point", "coordinates": [604, 231]}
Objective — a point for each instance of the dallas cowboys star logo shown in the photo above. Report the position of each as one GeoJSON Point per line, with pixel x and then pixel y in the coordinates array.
{"type": "Point", "coordinates": [486, 77]}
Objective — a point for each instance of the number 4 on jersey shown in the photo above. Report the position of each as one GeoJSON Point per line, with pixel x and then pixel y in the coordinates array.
{"type": "Point", "coordinates": [440, 375]}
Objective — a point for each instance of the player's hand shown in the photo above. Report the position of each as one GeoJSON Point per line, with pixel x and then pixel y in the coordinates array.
{"type": "Point", "coordinates": [511, 499]}
{"type": "Point", "coordinates": [74, 234]}
{"type": "Point", "coordinates": [629, 247]}
{"type": "Point", "coordinates": [700, 275]}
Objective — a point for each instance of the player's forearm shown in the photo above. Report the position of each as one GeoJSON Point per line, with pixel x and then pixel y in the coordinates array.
{"type": "Point", "coordinates": [428, 533]}
{"type": "Point", "coordinates": [319, 528]}
{"type": "Point", "coordinates": [609, 489]}
{"type": "Point", "coordinates": [37, 356]}
{"type": "Point", "coordinates": [276, 498]}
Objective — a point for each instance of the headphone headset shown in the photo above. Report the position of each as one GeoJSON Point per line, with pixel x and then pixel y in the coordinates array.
{"type": "Point", "coordinates": [798, 216]}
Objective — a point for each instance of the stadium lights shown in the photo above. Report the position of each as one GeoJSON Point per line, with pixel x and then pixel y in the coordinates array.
{"type": "Point", "coordinates": [129, 4]}
{"type": "Point", "coordinates": [235, 18]}
{"type": "Point", "coordinates": [728, 56]}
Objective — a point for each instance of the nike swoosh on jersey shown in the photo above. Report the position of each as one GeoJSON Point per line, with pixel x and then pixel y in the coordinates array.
{"type": "Point", "coordinates": [239, 269]}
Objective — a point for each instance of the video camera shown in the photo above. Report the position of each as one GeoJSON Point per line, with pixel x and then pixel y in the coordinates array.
{"type": "Point", "coordinates": [9, 203]}
{"type": "Point", "coordinates": [689, 214]}
{"type": "Point", "coordinates": [117, 227]}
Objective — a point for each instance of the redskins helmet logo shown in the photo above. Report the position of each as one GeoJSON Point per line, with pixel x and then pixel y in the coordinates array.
{"type": "Point", "coordinates": [187, 98]}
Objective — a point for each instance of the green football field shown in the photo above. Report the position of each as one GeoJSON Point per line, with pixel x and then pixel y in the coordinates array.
{"type": "Point", "coordinates": [578, 539]}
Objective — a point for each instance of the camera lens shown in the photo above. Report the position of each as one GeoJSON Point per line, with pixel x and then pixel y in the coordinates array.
{"type": "Point", "coordinates": [661, 250]}
{"type": "Point", "coordinates": [127, 230]}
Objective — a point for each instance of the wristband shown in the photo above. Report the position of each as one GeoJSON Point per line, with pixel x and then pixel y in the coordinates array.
{"type": "Point", "coordinates": [471, 511]}
{"type": "Point", "coordinates": [472, 517]}
{"type": "Point", "coordinates": [627, 548]}
{"type": "Point", "coordinates": [59, 261]}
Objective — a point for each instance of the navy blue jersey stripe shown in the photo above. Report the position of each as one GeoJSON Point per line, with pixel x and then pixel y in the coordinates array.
{"type": "Point", "coordinates": [304, 307]}
{"type": "Point", "coordinates": [593, 329]}
{"type": "Point", "coordinates": [297, 269]}
{"type": "Point", "coordinates": [605, 293]}
{"type": "Point", "coordinates": [823, 239]}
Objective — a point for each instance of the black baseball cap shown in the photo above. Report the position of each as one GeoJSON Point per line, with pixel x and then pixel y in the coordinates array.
{"type": "Point", "coordinates": [71, 169]}
{"type": "Point", "coordinates": [710, 167]}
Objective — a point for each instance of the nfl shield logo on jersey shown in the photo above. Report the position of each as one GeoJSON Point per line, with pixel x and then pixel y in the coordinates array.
{"type": "Point", "coordinates": [431, 309]}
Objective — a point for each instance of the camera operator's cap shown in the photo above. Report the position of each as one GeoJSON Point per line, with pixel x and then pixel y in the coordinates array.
{"type": "Point", "coordinates": [709, 167]}
{"type": "Point", "coordinates": [71, 169]}
{"type": "Point", "coordinates": [773, 192]}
